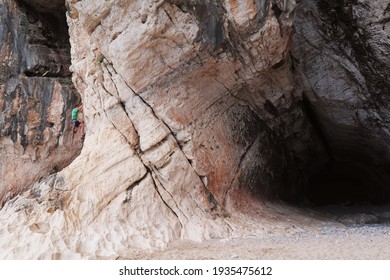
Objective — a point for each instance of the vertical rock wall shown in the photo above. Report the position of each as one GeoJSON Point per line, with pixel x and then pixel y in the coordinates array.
{"type": "Point", "coordinates": [36, 96]}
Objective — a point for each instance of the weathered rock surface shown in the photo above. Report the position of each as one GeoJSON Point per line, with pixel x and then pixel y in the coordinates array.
{"type": "Point", "coordinates": [191, 113]}
{"type": "Point", "coordinates": [194, 116]}
{"type": "Point", "coordinates": [36, 96]}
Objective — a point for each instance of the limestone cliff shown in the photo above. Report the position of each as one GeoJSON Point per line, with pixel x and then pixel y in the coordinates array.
{"type": "Point", "coordinates": [196, 114]}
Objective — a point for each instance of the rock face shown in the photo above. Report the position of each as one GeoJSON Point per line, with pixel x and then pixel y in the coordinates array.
{"type": "Point", "coordinates": [341, 51]}
{"type": "Point", "coordinates": [36, 96]}
{"type": "Point", "coordinates": [194, 115]}
{"type": "Point", "coordinates": [191, 112]}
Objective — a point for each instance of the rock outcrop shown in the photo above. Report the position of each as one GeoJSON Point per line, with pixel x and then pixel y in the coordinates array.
{"type": "Point", "coordinates": [195, 115]}
{"type": "Point", "coordinates": [36, 96]}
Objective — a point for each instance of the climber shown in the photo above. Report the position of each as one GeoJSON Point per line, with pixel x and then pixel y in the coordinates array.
{"type": "Point", "coordinates": [75, 116]}
{"type": "Point", "coordinates": [76, 122]}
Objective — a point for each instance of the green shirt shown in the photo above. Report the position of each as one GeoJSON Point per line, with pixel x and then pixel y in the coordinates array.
{"type": "Point", "coordinates": [75, 114]}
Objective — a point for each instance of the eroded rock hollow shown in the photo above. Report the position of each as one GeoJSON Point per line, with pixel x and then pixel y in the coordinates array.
{"type": "Point", "coordinates": [196, 113]}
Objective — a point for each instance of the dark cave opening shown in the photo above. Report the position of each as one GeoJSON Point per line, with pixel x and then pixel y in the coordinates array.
{"type": "Point", "coordinates": [345, 182]}
{"type": "Point", "coordinates": [343, 185]}
{"type": "Point", "coordinates": [348, 193]}
{"type": "Point", "coordinates": [347, 170]}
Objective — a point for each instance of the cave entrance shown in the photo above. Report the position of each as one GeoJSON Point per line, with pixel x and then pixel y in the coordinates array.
{"type": "Point", "coordinates": [343, 176]}
{"type": "Point", "coordinates": [340, 184]}
{"type": "Point", "coordinates": [349, 193]}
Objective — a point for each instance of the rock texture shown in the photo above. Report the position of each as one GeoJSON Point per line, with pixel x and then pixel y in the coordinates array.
{"type": "Point", "coordinates": [36, 96]}
{"type": "Point", "coordinates": [195, 116]}
{"type": "Point", "coordinates": [341, 51]}
{"type": "Point", "coordinates": [191, 112]}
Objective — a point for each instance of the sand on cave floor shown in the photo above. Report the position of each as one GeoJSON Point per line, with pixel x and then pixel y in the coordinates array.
{"type": "Point", "coordinates": [356, 233]}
